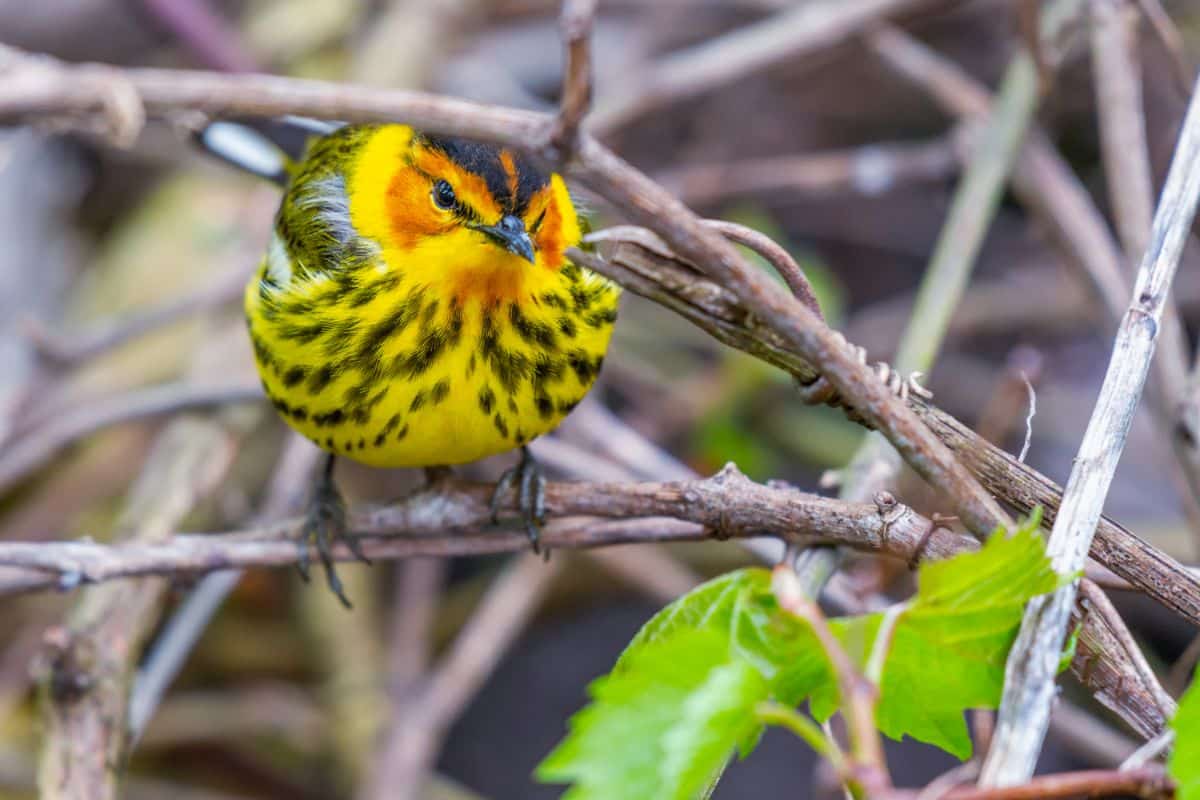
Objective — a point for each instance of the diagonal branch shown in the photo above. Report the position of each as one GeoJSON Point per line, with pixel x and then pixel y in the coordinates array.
{"type": "Point", "coordinates": [45, 88]}
{"type": "Point", "coordinates": [453, 519]}
{"type": "Point", "coordinates": [1032, 663]}
{"type": "Point", "coordinates": [578, 17]}
{"type": "Point", "coordinates": [1018, 485]}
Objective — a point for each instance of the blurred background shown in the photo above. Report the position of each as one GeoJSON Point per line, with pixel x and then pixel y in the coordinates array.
{"type": "Point", "coordinates": [121, 271]}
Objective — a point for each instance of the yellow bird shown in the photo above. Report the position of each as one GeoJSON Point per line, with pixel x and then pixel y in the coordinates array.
{"type": "Point", "coordinates": [416, 308]}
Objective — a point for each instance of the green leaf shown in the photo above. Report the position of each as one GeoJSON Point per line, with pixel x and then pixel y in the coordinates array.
{"type": "Point", "coordinates": [958, 628]}
{"type": "Point", "coordinates": [662, 726]}
{"type": "Point", "coordinates": [686, 692]}
{"type": "Point", "coordinates": [709, 605]}
{"type": "Point", "coordinates": [948, 647]}
{"type": "Point", "coordinates": [1184, 763]}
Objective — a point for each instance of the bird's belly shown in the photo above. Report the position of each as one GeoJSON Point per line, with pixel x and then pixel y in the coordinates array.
{"type": "Point", "coordinates": [478, 395]}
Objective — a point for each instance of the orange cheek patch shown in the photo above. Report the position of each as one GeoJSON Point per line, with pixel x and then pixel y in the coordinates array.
{"type": "Point", "coordinates": [550, 239]}
{"type": "Point", "coordinates": [410, 211]}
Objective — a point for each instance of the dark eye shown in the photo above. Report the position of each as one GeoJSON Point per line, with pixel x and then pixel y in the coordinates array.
{"type": "Point", "coordinates": [443, 195]}
{"type": "Point", "coordinates": [537, 223]}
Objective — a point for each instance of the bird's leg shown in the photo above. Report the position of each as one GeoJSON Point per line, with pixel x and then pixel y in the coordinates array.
{"type": "Point", "coordinates": [531, 496]}
{"type": "Point", "coordinates": [324, 524]}
{"type": "Point", "coordinates": [435, 475]}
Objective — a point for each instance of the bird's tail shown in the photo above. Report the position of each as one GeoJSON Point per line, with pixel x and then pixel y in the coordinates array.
{"type": "Point", "coordinates": [268, 148]}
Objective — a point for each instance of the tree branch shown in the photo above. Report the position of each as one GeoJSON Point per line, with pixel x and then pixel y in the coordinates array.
{"type": "Point", "coordinates": [1019, 486]}
{"type": "Point", "coordinates": [46, 88]}
{"type": "Point", "coordinates": [1032, 663]}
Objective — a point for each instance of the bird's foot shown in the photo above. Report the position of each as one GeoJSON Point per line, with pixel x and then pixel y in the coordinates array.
{"type": "Point", "coordinates": [324, 525]}
{"type": "Point", "coordinates": [531, 497]}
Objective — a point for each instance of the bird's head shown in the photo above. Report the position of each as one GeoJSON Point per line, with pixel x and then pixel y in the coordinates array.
{"type": "Point", "coordinates": [481, 216]}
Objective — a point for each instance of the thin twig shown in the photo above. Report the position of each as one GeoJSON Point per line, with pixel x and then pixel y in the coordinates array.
{"type": "Point", "coordinates": [89, 671]}
{"type": "Point", "coordinates": [1032, 663]}
{"type": "Point", "coordinates": [1022, 488]}
{"type": "Point", "coordinates": [1150, 782]}
{"type": "Point", "coordinates": [451, 518]}
{"type": "Point", "coordinates": [787, 36]}
{"type": "Point", "coordinates": [870, 170]}
{"type": "Point", "coordinates": [775, 255]}
{"type": "Point", "coordinates": [1150, 750]}
{"type": "Point", "coordinates": [858, 695]}
{"type": "Point", "coordinates": [74, 349]}
{"type": "Point", "coordinates": [48, 90]}
{"type": "Point", "coordinates": [36, 448]}
{"type": "Point", "coordinates": [578, 17]}
{"type": "Point", "coordinates": [1172, 41]}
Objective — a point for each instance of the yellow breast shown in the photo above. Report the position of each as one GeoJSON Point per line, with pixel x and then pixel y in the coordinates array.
{"type": "Point", "coordinates": [388, 329]}
{"type": "Point", "coordinates": [400, 373]}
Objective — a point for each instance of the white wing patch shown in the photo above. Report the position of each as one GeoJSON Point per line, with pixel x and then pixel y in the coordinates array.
{"type": "Point", "coordinates": [279, 265]}
{"type": "Point", "coordinates": [326, 197]}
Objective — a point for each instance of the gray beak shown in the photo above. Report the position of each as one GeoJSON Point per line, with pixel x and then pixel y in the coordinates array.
{"type": "Point", "coordinates": [510, 234]}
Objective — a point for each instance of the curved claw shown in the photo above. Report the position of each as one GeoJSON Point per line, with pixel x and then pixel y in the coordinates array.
{"type": "Point", "coordinates": [324, 524]}
{"type": "Point", "coordinates": [531, 497]}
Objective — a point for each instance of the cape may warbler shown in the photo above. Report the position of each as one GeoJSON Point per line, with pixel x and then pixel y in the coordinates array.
{"type": "Point", "coordinates": [416, 308]}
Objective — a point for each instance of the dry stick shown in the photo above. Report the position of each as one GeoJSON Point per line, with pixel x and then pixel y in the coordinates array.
{"type": "Point", "coordinates": [859, 696]}
{"type": "Point", "coordinates": [1020, 487]}
{"type": "Point", "coordinates": [502, 614]}
{"type": "Point", "coordinates": [73, 349]}
{"type": "Point", "coordinates": [452, 519]}
{"type": "Point", "coordinates": [398, 768]}
{"type": "Point", "coordinates": [46, 88]}
{"type": "Point", "coordinates": [1046, 184]}
{"type": "Point", "coordinates": [1032, 663]}
{"type": "Point", "coordinates": [36, 448]}
{"type": "Point", "coordinates": [775, 255]}
{"type": "Point", "coordinates": [875, 464]}
{"type": "Point", "coordinates": [869, 169]}
{"type": "Point", "coordinates": [1150, 782]}
{"type": "Point", "coordinates": [174, 644]}
{"type": "Point", "coordinates": [578, 16]}
{"type": "Point", "coordinates": [1118, 78]}
{"type": "Point", "coordinates": [1172, 41]}
{"type": "Point", "coordinates": [84, 697]}
{"type": "Point", "coordinates": [787, 36]}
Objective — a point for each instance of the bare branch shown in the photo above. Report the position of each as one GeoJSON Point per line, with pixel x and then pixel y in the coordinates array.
{"type": "Point", "coordinates": [167, 91]}
{"type": "Point", "coordinates": [859, 696]}
{"type": "Point", "coordinates": [1032, 663]}
{"type": "Point", "coordinates": [871, 170]}
{"type": "Point", "coordinates": [578, 17]}
{"type": "Point", "coordinates": [36, 448]}
{"type": "Point", "coordinates": [93, 657]}
{"type": "Point", "coordinates": [452, 518]}
{"type": "Point", "coordinates": [780, 259]}
{"type": "Point", "coordinates": [1172, 41]}
{"type": "Point", "coordinates": [1149, 782]}
{"type": "Point", "coordinates": [1020, 487]}
{"type": "Point", "coordinates": [787, 36]}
